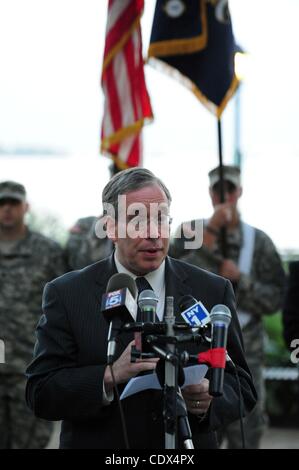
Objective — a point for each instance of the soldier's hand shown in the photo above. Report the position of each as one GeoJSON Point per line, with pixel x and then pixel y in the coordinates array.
{"type": "Point", "coordinates": [230, 270]}
{"type": "Point", "coordinates": [124, 369]}
{"type": "Point", "coordinates": [223, 214]}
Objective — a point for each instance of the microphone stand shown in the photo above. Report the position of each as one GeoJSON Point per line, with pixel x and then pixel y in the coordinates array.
{"type": "Point", "coordinates": [170, 386]}
{"type": "Point", "coordinates": [184, 426]}
{"type": "Point", "coordinates": [163, 342]}
{"type": "Point", "coordinates": [174, 403]}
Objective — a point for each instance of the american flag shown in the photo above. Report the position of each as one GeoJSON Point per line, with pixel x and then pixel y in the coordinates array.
{"type": "Point", "coordinates": [127, 104]}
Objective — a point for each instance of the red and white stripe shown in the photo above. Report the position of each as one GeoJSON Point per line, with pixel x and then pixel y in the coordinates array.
{"type": "Point", "coordinates": [127, 104]}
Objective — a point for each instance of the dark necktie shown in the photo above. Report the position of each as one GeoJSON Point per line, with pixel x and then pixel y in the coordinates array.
{"type": "Point", "coordinates": [142, 284]}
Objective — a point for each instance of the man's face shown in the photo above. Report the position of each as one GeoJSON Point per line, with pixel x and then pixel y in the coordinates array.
{"type": "Point", "coordinates": [232, 194]}
{"type": "Point", "coordinates": [12, 213]}
{"type": "Point", "coordinates": [146, 251]}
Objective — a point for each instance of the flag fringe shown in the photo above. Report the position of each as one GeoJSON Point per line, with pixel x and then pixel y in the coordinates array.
{"type": "Point", "coordinates": [125, 132]}
{"type": "Point", "coordinates": [184, 80]}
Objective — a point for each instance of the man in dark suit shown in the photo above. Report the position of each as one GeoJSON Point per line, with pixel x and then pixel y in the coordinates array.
{"type": "Point", "coordinates": [69, 379]}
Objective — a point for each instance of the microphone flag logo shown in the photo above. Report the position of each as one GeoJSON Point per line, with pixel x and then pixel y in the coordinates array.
{"type": "Point", "coordinates": [196, 315]}
{"type": "Point", "coordinates": [113, 299]}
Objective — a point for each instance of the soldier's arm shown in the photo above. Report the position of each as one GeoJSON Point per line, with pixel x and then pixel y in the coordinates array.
{"type": "Point", "coordinates": [185, 234]}
{"type": "Point", "coordinates": [262, 293]}
{"type": "Point", "coordinates": [57, 263]}
{"type": "Point", "coordinates": [203, 257]}
{"type": "Point", "coordinates": [77, 234]}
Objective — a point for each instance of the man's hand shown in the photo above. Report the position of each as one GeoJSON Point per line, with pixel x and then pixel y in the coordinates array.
{"type": "Point", "coordinates": [124, 369]}
{"type": "Point", "coordinates": [223, 214]}
{"type": "Point", "coordinates": [230, 270]}
{"type": "Point", "coordinates": [197, 397]}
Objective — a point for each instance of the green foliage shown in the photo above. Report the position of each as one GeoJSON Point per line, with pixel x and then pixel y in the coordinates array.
{"type": "Point", "coordinates": [276, 352]}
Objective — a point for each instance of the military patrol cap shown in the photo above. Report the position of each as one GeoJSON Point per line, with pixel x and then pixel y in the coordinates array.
{"type": "Point", "coordinates": [12, 190]}
{"type": "Point", "coordinates": [230, 173]}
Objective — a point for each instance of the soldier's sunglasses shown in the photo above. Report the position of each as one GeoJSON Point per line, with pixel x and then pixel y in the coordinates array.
{"type": "Point", "coordinates": [10, 201]}
{"type": "Point", "coordinates": [228, 187]}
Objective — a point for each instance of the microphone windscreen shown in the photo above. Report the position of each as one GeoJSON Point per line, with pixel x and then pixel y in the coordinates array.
{"type": "Point", "coordinates": [147, 298]}
{"type": "Point", "coordinates": [220, 313]}
{"type": "Point", "coordinates": [186, 302]}
{"type": "Point", "coordinates": [122, 281]}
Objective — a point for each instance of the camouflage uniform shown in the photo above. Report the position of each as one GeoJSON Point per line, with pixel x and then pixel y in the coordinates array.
{"type": "Point", "coordinates": [259, 293]}
{"type": "Point", "coordinates": [25, 266]}
{"type": "Point", "coordinates": [83, 246]}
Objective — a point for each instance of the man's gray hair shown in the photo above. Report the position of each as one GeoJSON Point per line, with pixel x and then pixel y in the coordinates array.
{"type": "Point", "coordinates": [130, 180]}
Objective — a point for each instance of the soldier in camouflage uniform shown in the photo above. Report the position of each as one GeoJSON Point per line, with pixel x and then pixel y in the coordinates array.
{"type": "Point", "coordinates": [83, 246]}
{"type": "Point", "coordinates": [27, 261]}
{"type": "Point", "coordinates": [258, 281]}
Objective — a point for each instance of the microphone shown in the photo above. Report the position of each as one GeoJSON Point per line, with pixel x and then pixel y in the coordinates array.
{"type": "Point", "coordinates": [147, 302]}
{"type": "Point", "coordinates": [220, 319]}
{"type": "Point", "coordinates": [193, 312]}
{"type": "Point", "coordinates": [118, 306]}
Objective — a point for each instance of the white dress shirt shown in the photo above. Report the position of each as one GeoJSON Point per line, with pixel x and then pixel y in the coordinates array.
{"type": "Point", "coordinates": [155, 278]}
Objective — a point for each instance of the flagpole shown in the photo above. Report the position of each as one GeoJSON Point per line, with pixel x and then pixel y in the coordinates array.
{"type": "Point", "coordinates": [223, 243]}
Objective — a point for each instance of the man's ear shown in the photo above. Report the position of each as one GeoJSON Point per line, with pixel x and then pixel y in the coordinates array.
{"type": "Point", "coordinates": [240, 191]}
{"type": "Point", "coordinates": [111, 228]}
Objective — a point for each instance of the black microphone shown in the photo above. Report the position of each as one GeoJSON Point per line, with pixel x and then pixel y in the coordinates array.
{"type": "Point", "coordinates": [147, 302]}
{"type": "Point", "coordinates": [186, 302]}
{"type": "Point", "coordinates": [193, 312]}
{"type": "Point", "coordinates": [118, 306]}
{"type": "Point", "coordinates": [220, 319]}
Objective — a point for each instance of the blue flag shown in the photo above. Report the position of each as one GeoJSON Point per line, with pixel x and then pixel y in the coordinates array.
{"type": "Point", "coordinates": [193, 41]}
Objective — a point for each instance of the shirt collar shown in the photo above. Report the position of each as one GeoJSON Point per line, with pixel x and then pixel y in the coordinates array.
{"type": "Point", "coordinates": [155, 278]}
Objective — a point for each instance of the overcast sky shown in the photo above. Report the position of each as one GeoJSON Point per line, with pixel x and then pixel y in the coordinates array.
{"type": "Point", "coordinates": [50, 55]}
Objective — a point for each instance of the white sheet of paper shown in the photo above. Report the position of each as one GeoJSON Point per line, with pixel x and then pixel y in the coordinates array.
{"type": "Point", "coordinates": [193, 375]}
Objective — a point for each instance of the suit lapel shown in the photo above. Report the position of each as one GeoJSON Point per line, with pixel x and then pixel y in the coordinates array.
{"type": "Point", "coordinates": [176, 284]}
{"type": "Point", "coordinates": [106, 269]}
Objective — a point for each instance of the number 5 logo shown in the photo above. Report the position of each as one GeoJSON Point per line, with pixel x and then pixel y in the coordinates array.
{"type": "Point", "coordinates": [295, 353]}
